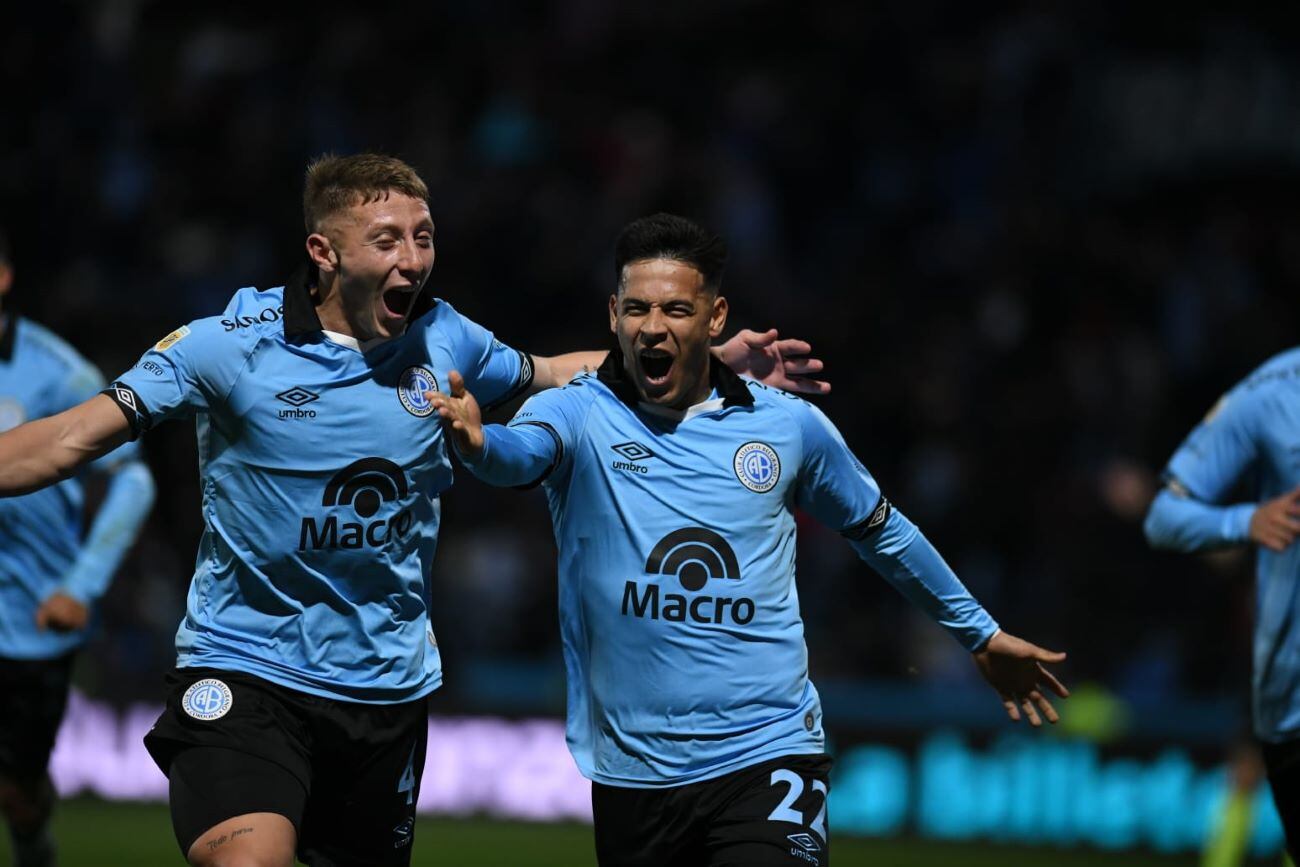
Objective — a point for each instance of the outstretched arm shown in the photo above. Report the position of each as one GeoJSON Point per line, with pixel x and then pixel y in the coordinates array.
{"type": "Point", "coordinates": [39, 453]}
{"type": "Point", "coordinates": [1013, 667]}
{"type": "Point", "coordinates": [783, 364]}
{"type": "Point", "coordinates": [498, 455]}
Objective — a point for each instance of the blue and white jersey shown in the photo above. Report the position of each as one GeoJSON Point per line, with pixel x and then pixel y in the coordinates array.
{"type": "Point", "coordinates": [321, 464]}
{"type": "Point", "coordinates": [42, 537]}
{"type": "Point", "coordinates": [679, 609]}
{"type": "Point", "coordinates": [1252, 434]}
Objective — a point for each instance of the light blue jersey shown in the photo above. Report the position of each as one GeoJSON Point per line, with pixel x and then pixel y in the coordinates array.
{"type": "Point", "coordinates": [321, 464]}
{"type": "Point", "coordinates": [1252, 434]}
{"type": "Point", "coordinates": [44, 547]}
{"type": "Point", "coordinates": [678, 605]}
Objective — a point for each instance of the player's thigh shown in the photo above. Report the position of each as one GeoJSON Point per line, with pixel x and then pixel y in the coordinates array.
{"type": "Point", "coordinates": [233, 808]}
{"type": "Point", "coordinates": [35, 695]}
{"type": "Point", "coordinates": [365, 786]}
{"type": "Point", "coordinates": [251, 840]}
{"type": "Point", "coordinates": [642, 827]}
{"type": "Point", "coordinates": [773, 814]}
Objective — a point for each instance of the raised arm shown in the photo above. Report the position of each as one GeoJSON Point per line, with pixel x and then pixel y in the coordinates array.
{"type": "Point", "coordinates": [780, 363]}
{"type": "Point", "coordinates": [39, 453]}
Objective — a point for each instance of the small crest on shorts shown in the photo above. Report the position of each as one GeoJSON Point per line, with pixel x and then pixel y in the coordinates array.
{"type": "Point", "coordinates": [207, 699]}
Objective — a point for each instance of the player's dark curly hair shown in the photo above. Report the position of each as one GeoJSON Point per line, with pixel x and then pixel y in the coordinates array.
{"type": "Point", "coordinates": [668, 236]}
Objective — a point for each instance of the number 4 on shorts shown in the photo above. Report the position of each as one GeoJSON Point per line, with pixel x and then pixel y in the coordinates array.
{"type": "Point", "coordinates": [407, 782]}
{"type": "Point", "coordinates": [784, 811]}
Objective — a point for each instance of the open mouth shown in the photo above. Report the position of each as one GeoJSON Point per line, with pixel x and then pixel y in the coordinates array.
{"type": "Point", "coordinates": [397, 302]}
{"type": "Point", "coordinates": [656, 365]}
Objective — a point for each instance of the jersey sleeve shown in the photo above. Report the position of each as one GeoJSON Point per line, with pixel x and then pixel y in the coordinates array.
{"type": "Point", "coordinates": [1219, 450]}
{"type": "Point", "coordinates": [537, 442]}
{"type": "Point", "coordinates": [836, 489]}
{"type": "Point", "coordinates": [189, 371]}
{"type": "Point", "coordinates": [494, 373]}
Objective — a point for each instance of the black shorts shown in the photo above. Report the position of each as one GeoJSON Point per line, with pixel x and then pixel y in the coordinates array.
{"type": "Point", "coordinates": [347, 775]}
{"type": "Point", "coordinates": [772, 814]}
{"type": "Point", "coordinates": [1282, 761]}
{"type": "Point", "coordinates": [35, 694]}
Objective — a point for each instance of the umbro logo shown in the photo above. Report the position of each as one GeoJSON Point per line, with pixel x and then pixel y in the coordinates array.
{"type": "Point", "coordinates": [297, 397]}
{"type": "Point", "coordinates": [634, 452]}
{"type": "Point", "coordinates": [126, 396]}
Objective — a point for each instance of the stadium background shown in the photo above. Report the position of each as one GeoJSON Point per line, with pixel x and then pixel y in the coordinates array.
{"type": "Point", "coordinates": [1033, 242]}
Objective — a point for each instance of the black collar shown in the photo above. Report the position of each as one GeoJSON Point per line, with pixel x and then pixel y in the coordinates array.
{"type": "Point", "coordinates": [300, 316]}
{"type": "Point", "coordinates": [7, 337]}
{"type": "Point", "coordinates": [611, 372]}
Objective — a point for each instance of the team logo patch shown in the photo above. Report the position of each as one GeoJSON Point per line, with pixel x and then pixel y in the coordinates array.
{"type": "Point", "coordinates": [757, 467]}
{"type": "Point", "coordinates": [207, 699]}
{"type": "Point", "coordinates": [11, 414]}
{"type": "Point", "coordinates": [172, 339]}
{"type": "Point", "coordinates": [411, 387]}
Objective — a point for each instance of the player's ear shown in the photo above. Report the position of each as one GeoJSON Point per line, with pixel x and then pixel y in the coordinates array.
{"type": "Point", "coordinates": [718, 317]}
{"type": "Point", "coordinates": [322, 252]}
{"type": "Point", "coordinates": [613, 313]}
{"type": "Point", "coordinates": [6, 278]}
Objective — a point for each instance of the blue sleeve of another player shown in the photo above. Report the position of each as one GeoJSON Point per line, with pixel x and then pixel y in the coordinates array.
{"type": "Point", "coordinates": [1185, 515]}
{"type": "Point", "coordinates": [494, 373]}
{"type": "Point", "coordinates": [186, 372]}
{"type": "Point", "coordinates": [1182, 523]}
{"type": "Point", "coordinates": [836, 489]}
{"type": "Point", "coordinates": [534, 444]}
{"type": "Point", "coordinates": [128, 500]}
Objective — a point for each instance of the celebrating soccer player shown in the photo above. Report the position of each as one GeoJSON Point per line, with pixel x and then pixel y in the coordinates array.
{"type": "Point", "coordinates": [673, 485]}
{"type": "Point", "coordinates": [1251, 433]}
{"type": "Point", "coordinates": [297, 713]}
{"type": "Point", "coordinates": [50, 575]}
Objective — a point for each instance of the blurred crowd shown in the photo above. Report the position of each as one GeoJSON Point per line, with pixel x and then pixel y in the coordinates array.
{"type": "Point", "coordinates": [1033, 243]}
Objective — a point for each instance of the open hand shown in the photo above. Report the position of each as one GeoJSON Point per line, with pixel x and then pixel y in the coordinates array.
{"type": "Point", "coordinates": [782, 364]}
{"type": "Point", "coordinates": [460, 415]}
{"type": "Point", "coordinates": [1014, 668]}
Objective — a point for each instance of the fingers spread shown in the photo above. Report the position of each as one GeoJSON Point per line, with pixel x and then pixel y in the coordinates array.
{"type": "Point", "coordinates": [1055, 685]}
{"type": "Point", "coordinates": [758, 340]}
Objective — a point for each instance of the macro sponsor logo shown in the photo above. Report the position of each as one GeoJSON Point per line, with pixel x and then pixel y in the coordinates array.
{"type": "Point", "coordinates": [634, 452]}
{"type": "Point", "coordinates": [297, 397]}
{"type": "Point", "coordinates": [694, 556]}
{"type": "Point", "coordinates": [362, 487]}
{"type": "Point", "coordinates": [266, 314]}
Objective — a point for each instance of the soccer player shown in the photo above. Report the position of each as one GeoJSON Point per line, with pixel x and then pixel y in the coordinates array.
{"type": "Point", "coordinates": [297, 714]}
{"type": "Point", "coordinates": [1251, 433]}
{"type": "Point", "coordinates": [51, 573]}
{"type": "Point", "coordinates": [673, 485]}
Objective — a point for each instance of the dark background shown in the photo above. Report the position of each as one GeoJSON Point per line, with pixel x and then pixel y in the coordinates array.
{"type": "Point", "coordinates": [1032, 241]}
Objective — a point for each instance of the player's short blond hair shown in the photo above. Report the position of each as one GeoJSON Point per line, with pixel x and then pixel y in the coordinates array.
{"type": "Point", "coordinates": [337, 183]}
